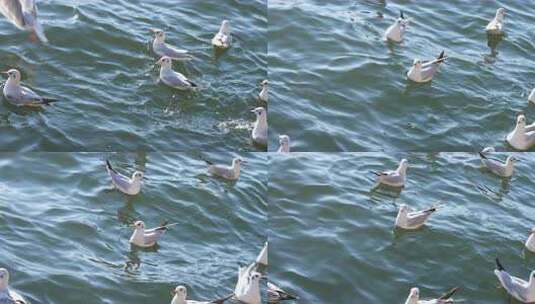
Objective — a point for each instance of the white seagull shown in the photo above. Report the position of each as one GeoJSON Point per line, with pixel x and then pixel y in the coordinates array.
{"type": "Point", "coordinates": [516, 287]}
{"type": "Point", "coordinates": [162, 49]}
{"type": "Point", "coordinates": [411, 220]}
{"type": "Point", "coordinates": [171, 78]}
{"type": "Point", "coordinates": [125, 184]}
{"type": "Point", "coordinates": [414, 297]}
{"type": "Point", "coordinates": [530, 242]}
{"type": "Point", "coordinates": [531, 96]}
{"type": "Point", "coordinates": [248, 286]}
{"type": "Point", "coordinates": [276, 294]}
{"type": "Point", "coordinates": [180, 294]}
{"type": "Point", "coordinates": [284, 142]}
{"type": "Point", "coordinates": [495, 26]}
{"type": "Point", "coordinates": [264, 94]}
{"type": "Point", "coordinates": [223, 38]}
{"type": "Point", "coordinates": [262, 258]}
{"type": "Point", "coordinates": [147, 238]}
{"type": "Point", "coordinates": [395, 178]}
{"type": "Point", "coordinates": [395, 31]}
{"type": "Point", "coordinates": [260, 129]}
{"type": "Point", "coordinates": [18, 95]}
{"type": "Point", "coordinates": [23, 14]}
{"type": "Point", "coordinates": [425, 71]}
{"type": "Point", "coordinates": [7, 295]}
{"type": "Point", "coordinates": [496, 166]}
{"type": "Point", "coordinates": [226, 172]}
{"type": "Point", "coordinates": [522, 137]}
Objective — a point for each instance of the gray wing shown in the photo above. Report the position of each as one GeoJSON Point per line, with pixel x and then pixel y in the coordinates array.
{"type": "Point", "coordinates": [119, 180]}
{"type": "Point", "coordinates": [430, 70]}
{"type": "Point", "coordinates": [494, 165]}
{"type": "Point", "coordinates": [154, 236]}
{"type": "Point", "coordinates": [30, 97]}
{"type": "Point", "coordinates": [176, 80]}
{"type": "Point", "coordinates": [513, 288]}
{"type": "Point", "coordinates": [12, 10]}
{"type": "Point", "coordinates": [6, 298]}
{"type": "Point", "coordinates": [174, 52]}
{"type": "Point", "coordinates": [418, 218]}
{"type": "Point", "coordinates": [220, 170]}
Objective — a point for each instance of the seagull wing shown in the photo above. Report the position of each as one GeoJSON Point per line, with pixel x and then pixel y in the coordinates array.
{"type": "Point", "coordinates": [12, 10]}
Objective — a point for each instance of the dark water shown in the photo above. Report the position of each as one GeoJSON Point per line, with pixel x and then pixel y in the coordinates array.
{"type": "Point", "coordinates": [99, 65]}
{"type": "Point", "coordinates": [337, 86]}
{"type": "Point", "coordinates": [65, 237]}
{"type": "Point", "coordinates": [332, 237]}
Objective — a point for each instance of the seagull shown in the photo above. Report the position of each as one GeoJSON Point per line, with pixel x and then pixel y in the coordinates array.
{"type": "Point", "coordinates": [180, 294]}
{"type": "Point", "coordinates": [414, 297]}
{"type": "Point", "coordinates": [248, 286]}
{"type": "Point", "coordinates": [284, 141]}
{"type": "Point", "coordinates": [394, 178]}
{"type": "Point", "coordinates": [496, 166]}
{"type": "Point", "coordinates": [125, 184]}
{"type": "Point", "coordinates": [532, 96]}
{"type": "Point", "coordinates": [226, 172]}
{"type": "Point", "coordinates": [424, 71]}
{"type": "Point", "coordinates": [223, 39]}
{"type": "Point", "coordinates": [23, 14]}
{"type": "Point", "coordinates": [147, 238]}
{"type": "Point", "coordinates": [7, 295]}
{"type": "Point", "coordinates": [411, 220]}
{"type": "Point", "coordinates": [171, 78]}
{"type": "Point", "coordinates": [260, 129]}
{"type": "Point", "coordinates": [162, 49]}
{"type": "Point", "coordinates": [395, 31]}
{"type": "Point", "coordinates": [516, 287]}
{"type": "Point", "coordinates": [276, 294]}
{"type": "Point", "coordinates": [262, 258]}
{"type": "Point", "coordinates": [530, 243]}
{"type": "Point", "coordinates": [264, 95]}
{"type": "Point", "coordinates": [496, 25]}
{"type": "Point", "coordinates": [522, 137]}
{"type": "Point", "coordinates": [18, 95]}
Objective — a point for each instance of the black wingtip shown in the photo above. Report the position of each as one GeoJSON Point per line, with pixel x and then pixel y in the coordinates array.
{"type": "Point", "coordinates": [222, 300]}
{"type": "Point", "coordinates": [401, 15]}
{"type": "Point", "coordinates": [48, 101]}
{"type": "Point", "coordinates": [375, 172]}
{"type": "Point", "coordinates": [482, 155]}
{"type": "Point", "coordinates": [449, 294]}
{"type": "Point", "coordinates": [499, 265]}
{"type": "Point", "coordinates": [108, 165]}
{"type": "Point", "coordinates": [441, 55]}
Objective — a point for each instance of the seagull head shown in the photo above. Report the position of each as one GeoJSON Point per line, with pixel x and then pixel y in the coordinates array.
{"type": "Point", "coordinates": [403, 208]}
{"type": "Point", "coordinates": [404, 164]}
{"type": "Point", "coordinates": [13, 74]}
{"type": "Point", "coordinates": [139, 225]}
{"type": "Point", "coordinates": [500, 13]}
{"type": "Point", "coordinates": [236, 162]}
{"type": "Point", "coordinates": [417, 63]}
{"type": "Point", "coordinates": [532, 230]}
{"type": "Point", "coordinates": [159, 35]}
{"type": "Point", "coordinates": [284, 140]}
{"type": "Point", "coordinates": [415, 293]}
{"type": "Point", "coordinates": [180, 292]}
{"type": "Point", "coordinates": [225, 27]}
{"type": "Point", "coordinates": [137, 176]}
{"type": "Point", "coordinates": [259, 112]}
{"type": "Point", "coordinates": [264, 83]}
{"type": "Point", "coordinates": [4, 278]}
{"type": "Point", "coordinates": [521, 120]}
{"type": "Point", "coordinates": [256, 277]}
{"type": "Point", "coordinates": [165, 62]}
{"type": "Point", "coordinates": [511, 159]}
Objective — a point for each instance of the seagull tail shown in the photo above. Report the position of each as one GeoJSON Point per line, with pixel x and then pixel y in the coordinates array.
{"type": "Point", "coordinates": [48, 101]}
{"type": "Point", "coordinates": [222, 300]}
{"type": "Point", "coordinates": [205, 160]}
{"type": "Point", "coordinates": [449, 294]}
{"type": "Point", "coordinates": [401, 15]}
{"type": "Point", "coordinates": [109, 167]}
{"type": "Point", "coordinates": [482, 155]}
{"type": "Point", "coordinates": [376, 173]}
{"type": "Point", "coordinates": [499, 265]}
{"type": "Point", "coordinates": [163, 226]}
{"type": "Point", "coordinates": [40, 33]}
{"type": "Point", "coordinates": [192, 84]}
{"type": "Point", "coordinates": [441, 57]}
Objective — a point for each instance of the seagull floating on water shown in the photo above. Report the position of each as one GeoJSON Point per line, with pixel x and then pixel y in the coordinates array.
{"type": "Point", "coordinates": [264, 95]}
{"type": "Point", "coordinates": [395, 178]}
{"type": "Point", "coordinates": [163, 49]}
{"type": "Point", "coordinates": [226, 172]}
{"type": "Point", "coordinates": [276, 294]}
{"type": "Point", "coordinates": [414, 297]}
{"type": "Point", "coordinates": [260, 129]}
{"type": "Point", "coordinates": [395, 31]}
{"type": "Point", "coordinates": [171, 78]}
{"type": "Point", "coordinates": [223, 38]}
{"type": "Point", "coordinates": [125, 184]}
{"type": "Point", "coordinates": [516, 287]}
{"type": "Point", "coordinates": [530, 242]}
{"type": "Point", "coordinates": [531, 96]}
{"type": "Point", "coordinates": [248, 286]}
{"type": "Point", "coordinates": [262, 258]}
{"type": "Point", "coordinates": [147, 238]}
{"type": "Point", "coordinates": [180, 294]}
{"type": "Point", "coordinates": [495, 26]}
{"type": "Point", "coordinates": [411, 220]}
{"type": "Point", "coordinates": [425, 71]}
{"type": "Point", "coordinates": [23, 14]}
{"type": "Point", "coordinates": [522, 137]}
{"type": "Point", "coordinates": [496, 166]}
{"type": "Point", "coordinates": [7, 295]}
{"type": "Point", "coordinates": [18, 95]}
{"type": "Point", "coordinates": [284, 142]}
